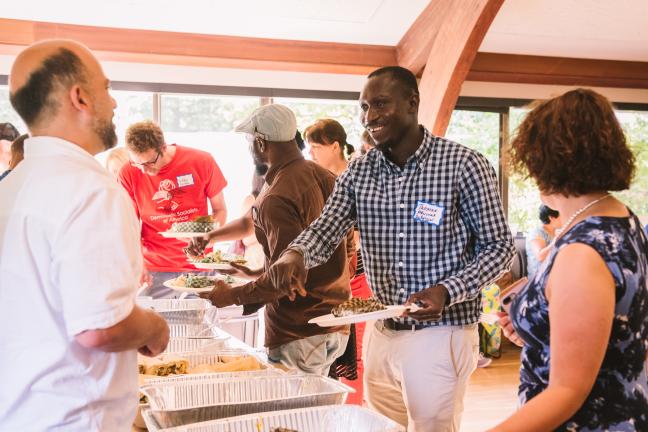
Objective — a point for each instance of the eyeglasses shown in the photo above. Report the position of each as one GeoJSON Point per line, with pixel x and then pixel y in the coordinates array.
{"type": "Point", "coordinates": [146, 164]}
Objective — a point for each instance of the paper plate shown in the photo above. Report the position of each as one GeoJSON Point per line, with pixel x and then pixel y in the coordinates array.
{"type": "Point", "coordinates": [331, 320]}
{"type": "Point", "coordinates": [171, 284]}
{"type": "Point", "coordinates": [212, 266]}
{"type": "Point", "coordinates": [179, 235]}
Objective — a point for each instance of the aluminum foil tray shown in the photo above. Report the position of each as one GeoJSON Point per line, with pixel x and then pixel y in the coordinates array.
{"type": "Point", "coordinates": [177, 404]}
{"type": "Point", "coordinates": [212, 357]}
{"type": "Point", "coordinates": [181, 345]}
{"type": "Point", "coordinates": [200, 330]}
{"type": "Point", "coordinates": [332, 418]}
{"type": "Point", "coordinates": [180, 311]}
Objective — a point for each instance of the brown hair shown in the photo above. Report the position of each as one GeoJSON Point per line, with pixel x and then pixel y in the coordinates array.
{"type": "Point", "coordinates": [328, 131]}
{"type": "Point", "coordinates": [573, 145]}
{"type": "Point", "coordinates": [143, 136]}
{"type": "Point", "coordinates": [17, 150]}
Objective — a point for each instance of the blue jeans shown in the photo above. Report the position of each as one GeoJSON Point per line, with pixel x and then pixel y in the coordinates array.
{"type": "Point", "coordinates": [314, 354]}
{"type": "Point", "coordinates": [158, 290]}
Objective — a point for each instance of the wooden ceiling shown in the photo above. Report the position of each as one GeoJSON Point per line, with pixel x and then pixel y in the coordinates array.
{"type": "Point", "coordinates": [159, 47]}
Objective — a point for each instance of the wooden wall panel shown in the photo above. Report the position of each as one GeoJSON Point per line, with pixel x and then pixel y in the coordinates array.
{"type": "Point", "coordinates": [558, 71]}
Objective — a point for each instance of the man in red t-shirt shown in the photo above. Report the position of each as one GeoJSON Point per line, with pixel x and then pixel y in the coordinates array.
{"type": "Point", "coordinates": [168, 183]}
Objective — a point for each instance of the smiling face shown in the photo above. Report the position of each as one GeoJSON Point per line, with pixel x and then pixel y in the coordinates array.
{"type": "Point", "coordinates": [388, 111]}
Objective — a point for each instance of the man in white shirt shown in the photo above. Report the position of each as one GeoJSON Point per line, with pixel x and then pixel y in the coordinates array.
{"type": "Point", "coordinates": [69, 257]}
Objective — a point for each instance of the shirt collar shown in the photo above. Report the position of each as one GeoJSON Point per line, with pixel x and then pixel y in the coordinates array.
{"type": "Point", "coordinates": [419, 157]}
{"type": "Point", "coordinates": [53, 146]}
{"type": "Point", "coordinates": [274, 170]}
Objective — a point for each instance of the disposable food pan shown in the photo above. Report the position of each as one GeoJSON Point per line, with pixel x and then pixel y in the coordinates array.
{"type": "Point", "coordinates": [180, 311]}
{"type": "Point", "coordinates": [230, 360]}
{"type": "Point", "coordinates": [197, 331]}
{"type": "Point", "coordinates": [332, 418]}
{"type": "Point", "coordinates": [182, 403]}
{"type": "Point", "coordinates": [181, 345]}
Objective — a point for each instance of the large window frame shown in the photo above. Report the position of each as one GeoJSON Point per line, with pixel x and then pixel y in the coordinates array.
{"type": "Point", "coordinates": [500, 106]}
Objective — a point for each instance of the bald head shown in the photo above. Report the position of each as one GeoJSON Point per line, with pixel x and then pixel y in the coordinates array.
{"type": "Point", "coordinates": [42, 73]}
{"type": "Point", "coordinates": [60, 90]}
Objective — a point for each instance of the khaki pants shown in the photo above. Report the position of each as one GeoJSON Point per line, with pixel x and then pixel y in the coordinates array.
{"type": "Point", "coordinates": [314, 354]}
{"type": "Point", "coordinates": [419, 378]}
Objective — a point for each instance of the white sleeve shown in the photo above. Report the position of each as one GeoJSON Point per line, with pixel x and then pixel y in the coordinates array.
{"type": "Point", "coordinates": [96, 261]}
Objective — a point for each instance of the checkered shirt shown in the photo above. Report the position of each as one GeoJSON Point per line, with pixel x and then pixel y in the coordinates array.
{"type": "Point", "coordinates": [470, 247]}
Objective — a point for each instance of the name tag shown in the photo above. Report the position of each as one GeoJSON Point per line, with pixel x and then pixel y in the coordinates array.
{"type": "Point", "coordinates": [428, 213]}
{"type": "Point", "coordinates": [185, 180]}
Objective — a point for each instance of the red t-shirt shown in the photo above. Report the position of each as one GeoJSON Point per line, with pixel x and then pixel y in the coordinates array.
{"type": "Point", "coordinates": [178, 193]}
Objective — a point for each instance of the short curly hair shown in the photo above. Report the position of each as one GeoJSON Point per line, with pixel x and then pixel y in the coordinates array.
{"type": "Point", "coordinates": [573, 145]}
{"type": "Point", "coordinates": [144, 136]}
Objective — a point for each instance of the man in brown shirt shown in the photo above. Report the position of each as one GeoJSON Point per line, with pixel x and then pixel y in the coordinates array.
{"type": "Point", "coordinates": [293, 197]}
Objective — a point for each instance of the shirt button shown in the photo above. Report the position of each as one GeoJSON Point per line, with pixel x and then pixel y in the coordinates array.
{"type": "Point", "coordinates": [402, 290]}
{"type": "Point", "coordinates": [400, 264]}
{"type": "Point", "coordinates": [401, 178]}
{"type": "Point", "coordinates": [401, 235]}
{"type": "Point", "coordinates": [402, 205]}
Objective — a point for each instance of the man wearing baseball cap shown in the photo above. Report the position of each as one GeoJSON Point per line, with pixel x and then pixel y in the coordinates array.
{"type": "Point", "coordinates": [293, 197]}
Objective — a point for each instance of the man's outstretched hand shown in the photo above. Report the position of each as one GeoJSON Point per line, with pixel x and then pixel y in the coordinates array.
{"type": "Point", "coordinates": [288, 274]}
{"type": "Point", "coordinates": [220, 296]}
{"type": "Point", "coordinates": [196, 246]}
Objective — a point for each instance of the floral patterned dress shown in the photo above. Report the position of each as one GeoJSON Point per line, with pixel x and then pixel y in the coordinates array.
{"type": "Point", "coordinates": [619, 399]}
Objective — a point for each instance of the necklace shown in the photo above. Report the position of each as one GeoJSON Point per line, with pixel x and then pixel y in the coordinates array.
{"type": "Point", "coordinates": [562, 229]}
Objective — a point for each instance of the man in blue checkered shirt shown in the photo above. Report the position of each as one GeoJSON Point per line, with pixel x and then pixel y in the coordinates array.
{"type": "Point", "coordinates": [433, 233]}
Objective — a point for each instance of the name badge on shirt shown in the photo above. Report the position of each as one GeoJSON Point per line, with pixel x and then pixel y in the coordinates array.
{"type": "Point", "coordinates": [185, 180]}
{"type": "Point", "coordinates": [428, 213]}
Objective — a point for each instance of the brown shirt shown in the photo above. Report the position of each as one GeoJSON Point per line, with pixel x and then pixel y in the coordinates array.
{"type": "Point", "coordinates": [293, 197]}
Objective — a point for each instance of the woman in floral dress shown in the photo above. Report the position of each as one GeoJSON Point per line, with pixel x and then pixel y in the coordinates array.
{"type": "Point", "coordinates": [583, 318]}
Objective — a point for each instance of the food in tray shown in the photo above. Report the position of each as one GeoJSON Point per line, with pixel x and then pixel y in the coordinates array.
{"type": "Point", "coordinates": [201, 224]}
{"type": "Point", "coordinates": [193, 281]}
{"type": "Point", "coordinates": [217, 257]}
{"type": "Point", "coordinates": [228, 364]}
{"type": "Point", "coordinates": [165, 366]}
{"type": "Point", "coordinates": [141, 378]}
{"type": "Point", "coordinates": [356, 306]}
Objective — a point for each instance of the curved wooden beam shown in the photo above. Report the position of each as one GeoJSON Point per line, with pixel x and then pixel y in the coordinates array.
{"type": "Point", "coordinates": [150, 46]}
{"type": "Point", "coordinates": [462, 27]}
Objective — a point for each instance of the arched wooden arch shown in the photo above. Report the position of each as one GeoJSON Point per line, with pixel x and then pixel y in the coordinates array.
{"type": "Point", "coordinates": [443, 43]}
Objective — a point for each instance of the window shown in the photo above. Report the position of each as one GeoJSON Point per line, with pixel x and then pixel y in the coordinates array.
{"type": "Point", "coordinates": [478, 130]}
{"type": "Point", "coordinates": [523, 195]}
{"type": "Point", "coordinates": [7, 113]}
{"type": "Point", "coordinates": [206, 123]}
{"type": "Point", "coordinates": [308, 111]}
{"type": "Point", "coordinates": [635, 126]}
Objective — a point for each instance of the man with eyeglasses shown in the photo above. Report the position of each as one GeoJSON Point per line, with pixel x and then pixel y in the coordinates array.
{"type": "Point", "coordinates": [168, 183]}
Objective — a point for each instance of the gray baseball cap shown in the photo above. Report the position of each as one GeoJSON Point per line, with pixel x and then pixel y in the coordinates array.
{"type": "Point", "coordinates": [273, 122]}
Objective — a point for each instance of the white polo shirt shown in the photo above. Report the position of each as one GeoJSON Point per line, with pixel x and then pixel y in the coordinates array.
{"type": "Point", "coordinates": [69, 262]}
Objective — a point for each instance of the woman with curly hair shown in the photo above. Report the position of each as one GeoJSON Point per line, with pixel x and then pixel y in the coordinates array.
{"type": "Point", "coordinates": [583, 318]}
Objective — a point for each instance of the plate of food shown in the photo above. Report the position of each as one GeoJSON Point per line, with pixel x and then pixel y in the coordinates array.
{"type": "Point", "coordinates": [195, 228]}
{"type": "Point", "coordinates": [217, 260]}
{"type": "Point", "coordinates": [199, 283]}
{"type": "Point", "coordinates": [358, 310]}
